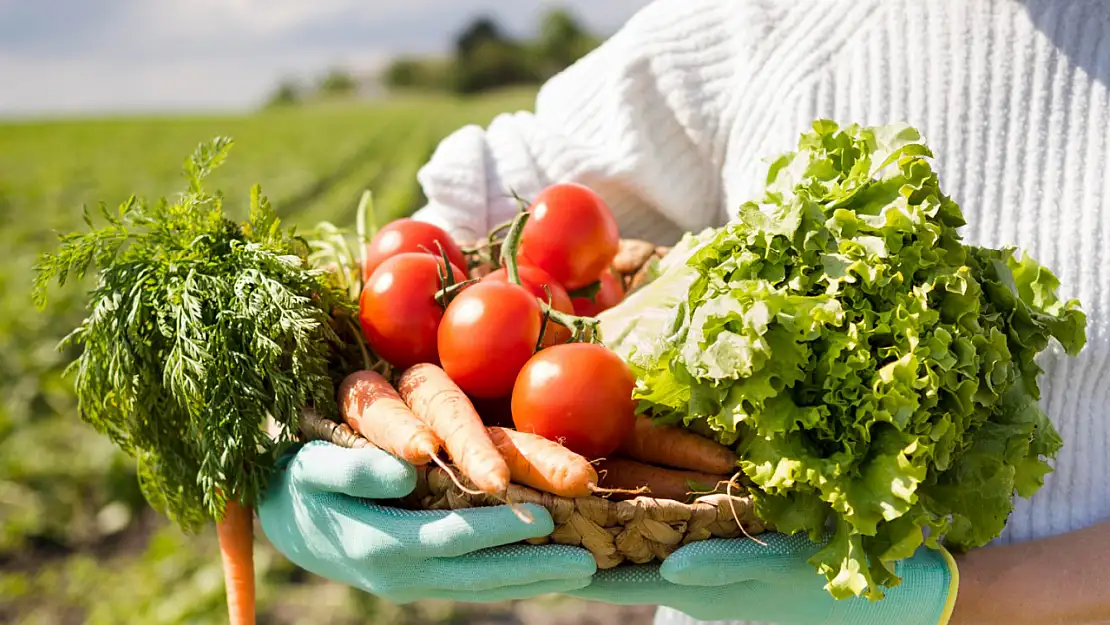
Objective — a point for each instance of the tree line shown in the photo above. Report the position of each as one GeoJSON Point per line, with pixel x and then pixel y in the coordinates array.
{"type": "Point", "coordinates": [483, 57]}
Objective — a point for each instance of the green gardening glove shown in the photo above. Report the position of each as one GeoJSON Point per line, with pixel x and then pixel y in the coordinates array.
{"type": "Point", "coordinates": [319, 512]}
{"type": "Point", "coordinates": [739, 579]}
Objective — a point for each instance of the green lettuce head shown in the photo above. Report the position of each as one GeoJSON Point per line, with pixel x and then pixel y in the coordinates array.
{"type": "Point", "coordinates": [876, 375]}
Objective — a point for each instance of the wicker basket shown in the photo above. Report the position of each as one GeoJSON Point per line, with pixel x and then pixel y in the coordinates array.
{"type": "Point", "coordinates": [636, 530]}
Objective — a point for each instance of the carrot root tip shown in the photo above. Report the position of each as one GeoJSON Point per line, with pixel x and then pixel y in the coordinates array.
{"type": "Point", "coordinates": [619, 491]}
{"type": "Point", "coordinates": [519, 510]}
{"type": "Point", "coordinates": [735, 516]}
{"type": "Point", "coordinates": [454, 478]}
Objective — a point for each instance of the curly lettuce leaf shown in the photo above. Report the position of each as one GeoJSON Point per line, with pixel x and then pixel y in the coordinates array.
{"type": "Point", "coordinates": [871, 369]}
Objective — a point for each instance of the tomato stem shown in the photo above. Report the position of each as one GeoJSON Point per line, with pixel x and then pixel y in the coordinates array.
{"type": "Point", "coordinates": [578, 326]}
{"type": "Point", "coordinates": [582, 328]}
{"type": "Point", "coordinates": [512, 244]}
{"type": "Point", "coordinates": [499, 227]}
{"type": "Point", "coordinates": [545, 319]}
{"type": "Point", "coordinates": [447, 293]}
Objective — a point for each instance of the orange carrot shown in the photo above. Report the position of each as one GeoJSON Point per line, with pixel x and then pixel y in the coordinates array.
{"type": "Point", "coordinates": [676, 447]}
{"type": "Point", "coordinates": [236, 536]}
{"type": "Point", "coordinates": [662, 483]}
{"type": "Point", "coordinates": [443, 407]}
{"type": "Point", "coordinates": [544, 464]}
{"type": "Point", "coordinates": [371, 406]}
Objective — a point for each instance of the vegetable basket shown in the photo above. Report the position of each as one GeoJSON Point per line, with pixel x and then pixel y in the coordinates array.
{"type": "Point", "coordinates": [911, 359]}
{"type": "Point", "coordinates": [638, 530]}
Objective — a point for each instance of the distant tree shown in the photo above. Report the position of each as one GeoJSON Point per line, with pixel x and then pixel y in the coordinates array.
{"type": "Point", "coordinates": [562, 41]}
{"type": "Point", "coordinates": [338, 82]}
{"type": "Point", "coordinates": [479, 33]}
{"type": "Point", "coordinates": [404, 73]}
{"type": "Point", "coordinates": [486, 58]}
{"type": "Point", "coordinates": [431, 74]}
{"type": "Point", "coordinates": [287, 94]}
{"type": "Point", "coordinates": [494, 64]}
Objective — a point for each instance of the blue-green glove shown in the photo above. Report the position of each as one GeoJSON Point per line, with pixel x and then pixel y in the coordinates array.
{"type": "Point", "coordinates": [739, 579]}
{"type": "Point", "coordinates": [318, 512]}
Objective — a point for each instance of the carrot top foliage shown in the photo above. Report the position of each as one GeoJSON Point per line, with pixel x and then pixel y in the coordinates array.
{"type": "Point", "coordinates": [198, 329]}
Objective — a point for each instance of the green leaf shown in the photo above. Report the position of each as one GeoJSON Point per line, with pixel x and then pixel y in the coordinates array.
{"type": "Point", "coordinates": [199, 330]}
{"type": "Point", "coordinates": [866, 364]}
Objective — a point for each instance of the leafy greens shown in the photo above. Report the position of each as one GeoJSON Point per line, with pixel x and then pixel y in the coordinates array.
{"type": "Point", "coordinates": [200, 329]}
{"type": "Point", "coordinates": [876, 375]}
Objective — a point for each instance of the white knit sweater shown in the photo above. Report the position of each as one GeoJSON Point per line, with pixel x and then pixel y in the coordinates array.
{"type": "Point", "coordinates": [672, 118]}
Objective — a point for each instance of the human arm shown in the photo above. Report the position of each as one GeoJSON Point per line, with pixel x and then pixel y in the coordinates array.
{"type": "Point", "coordinates": [644, 120]}
{"type": "Point", "coordinates": [1061, 579]}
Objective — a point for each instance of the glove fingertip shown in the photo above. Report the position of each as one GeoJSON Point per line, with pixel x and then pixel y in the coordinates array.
{"type": "Point", "coordinates": [574, 562]}
{"type": "Point", "coordinates": [359, 472]}
{"type": "Point", "coordinates": [512, 523]}
{"type": "Point", "coordinates": [707, 563]}
{"type": "Point", "coordinates": [532, 519]}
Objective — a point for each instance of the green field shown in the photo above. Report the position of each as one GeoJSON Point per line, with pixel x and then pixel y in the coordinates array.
{"type": "Point", "coordinates": [77, 542]}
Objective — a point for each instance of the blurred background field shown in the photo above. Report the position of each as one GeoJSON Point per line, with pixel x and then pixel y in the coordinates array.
{"type": "Point", "coordinates": [78, 544]}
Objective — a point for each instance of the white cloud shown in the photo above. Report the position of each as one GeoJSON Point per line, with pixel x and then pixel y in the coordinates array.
{"type": "Point", "coordinates": [59, 56]}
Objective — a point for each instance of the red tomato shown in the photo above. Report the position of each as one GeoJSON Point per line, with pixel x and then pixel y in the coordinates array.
{"type": "Point", "coordinates": [487, 334]}
{"type": "Point", "coordinates": [608, 295]}
{"type": "Point", "coordinates": [398, 311]}
{"type": "Point", "coordinates": [534, 279]}
{"type": "Point", "coordinates": [571, 234]}
{"type": "Point", "coordinates": [408, 235]}
{"type": "Point", "coordinates": [578, 394]}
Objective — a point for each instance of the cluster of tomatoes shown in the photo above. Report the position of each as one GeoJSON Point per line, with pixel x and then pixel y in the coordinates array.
{"type": "Point", "coordinates": [418, 305]}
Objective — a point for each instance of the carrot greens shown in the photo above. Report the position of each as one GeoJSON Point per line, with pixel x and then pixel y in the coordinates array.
{"type": "Point", "coordinates": [199, 330]}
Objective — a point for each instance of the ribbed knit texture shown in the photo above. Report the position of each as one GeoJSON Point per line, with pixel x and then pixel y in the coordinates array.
{"type": "Point", "coordinates": [672, 120]}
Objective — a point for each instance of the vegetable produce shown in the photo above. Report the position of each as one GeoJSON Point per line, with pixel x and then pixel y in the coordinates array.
{"type": "Point", "coordinates": [371, 406]}
{"type": "Point", "coordinates": [578, 394]}
{"type": "Point", "coordinates": [572, 235]}
{"type": "Point", "coordinates": [870, 368]}
{"type": "Point", "coordinates": [622, 474]}
{"type": "Point", "coordinates": [199, 330]}
{"type": "Point", "coordinates": [235, 534]}
{"type": "Point", "coordinates": [543, 286]}
{"type": "Point", "coordinates": [487, 334]}
{"type": "Point", "coordinates": [610, 292]}
{"type": "Point", "coordinates": [398, 309]}
{"type": "Point", "coordinates": [443, 407]}
{"type": "Point", "coordinates": [672, 446]}
{"type": "Point", "coordinates": [408, 235]}
{"type": "Point", "coordinates": [543, 464]}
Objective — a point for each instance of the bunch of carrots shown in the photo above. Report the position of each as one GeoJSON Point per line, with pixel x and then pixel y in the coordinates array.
{"type": "Point", "coordinates": [427, 413]}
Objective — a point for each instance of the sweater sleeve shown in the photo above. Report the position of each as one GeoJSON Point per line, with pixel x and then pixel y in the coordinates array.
{"type": "Point", "coordinates": [644, 120]}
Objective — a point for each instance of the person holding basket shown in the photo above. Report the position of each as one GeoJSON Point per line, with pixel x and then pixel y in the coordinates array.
{"type": "Point", "coordinates": [668, 120]}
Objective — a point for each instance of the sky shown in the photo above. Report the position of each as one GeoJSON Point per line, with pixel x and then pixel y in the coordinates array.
{"type": "Point", "coordinates": [64, 57]}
